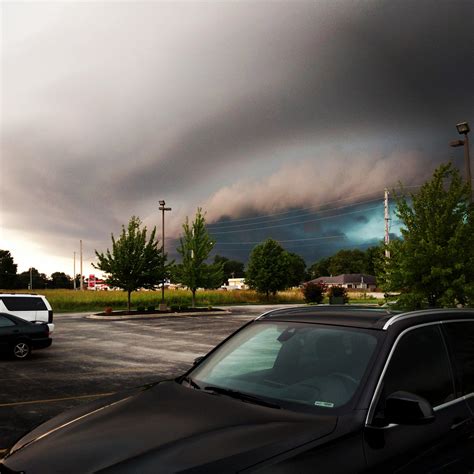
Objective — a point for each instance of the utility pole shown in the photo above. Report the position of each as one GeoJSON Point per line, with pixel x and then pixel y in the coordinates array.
{"type": "Point", "coordinates": [387, 224]}
{"type": "Point", "coordinates": [162, 208]}
{"type": "Point", "coordinates": [74, 272]}
{"type": "Point", "coordinates": [31, 279]}
{"type": "Point", "coordinates": [82, 276]}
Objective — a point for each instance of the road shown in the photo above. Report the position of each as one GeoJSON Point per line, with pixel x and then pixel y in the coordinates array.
{"type": "Point", "coordinates": [89, 358]}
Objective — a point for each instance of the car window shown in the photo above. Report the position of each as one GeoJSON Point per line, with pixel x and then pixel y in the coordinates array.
{"type": "Point", "coordinates": [5, 322]}
{"type": "Point", "coordinates": [419, 365]}
{"type": "Point", "coordinates": [21, 303]}
{"type": "Point", "coordinates": [299, 363]}
{"type": "Point", "coordinates": [461, 342]}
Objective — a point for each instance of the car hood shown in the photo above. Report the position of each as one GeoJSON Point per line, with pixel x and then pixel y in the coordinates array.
{"type": "Point", "coordinates": [165, 428]}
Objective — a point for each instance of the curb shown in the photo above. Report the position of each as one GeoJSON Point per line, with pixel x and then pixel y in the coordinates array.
{"type": "Point", "coordinates": [156, 316]}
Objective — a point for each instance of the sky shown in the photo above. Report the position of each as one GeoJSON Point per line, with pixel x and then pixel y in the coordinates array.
{"type": "Point", "coordinates": [279, 119]}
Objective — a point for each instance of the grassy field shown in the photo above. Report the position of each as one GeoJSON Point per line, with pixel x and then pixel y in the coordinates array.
{"type": "Point", "coordinates": [64, 301]}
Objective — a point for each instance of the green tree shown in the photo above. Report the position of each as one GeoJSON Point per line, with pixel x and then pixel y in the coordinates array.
{"type": "Point", "coordinates": [60, 280]}
{"type": "Point", "coordinates": [8, 270]}
{"type": "Point", "coordinates": [348, 261]}
{"type": "Point", "coordinates": [230, 268]}
{"type": "Point", "coordinates": [267, 270]}
{"type": "Point", "coordinates": [296, 269]}
{"type": "Point", "coordinates": [433, 263]}
{"type": "Point", "coordinates": [320, 268]}
{"type": "Point", "coordinates": [372, 256]}
{"type": "Point", "coordinates": [39, 280]}
{"type": "Point", "coordinates": [135, 261]}
{"type": "Point", "coordinates": [194, 247]}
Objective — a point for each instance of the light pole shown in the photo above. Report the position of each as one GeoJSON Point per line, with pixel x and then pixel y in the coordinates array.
{"type": "Point", "coordinates": [163, 209]}
{"type": "Point", "coordinates": [463, 129]}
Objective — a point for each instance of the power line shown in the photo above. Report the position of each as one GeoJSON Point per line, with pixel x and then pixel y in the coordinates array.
{"type": "Point", "coordinates": [282, 241]}
{"type": "Point", "coordinates": [295, 223]}
{"type": "Point", "coordinates": [319, 206]}
{"type": "Point", "coordinates": [295, 217]}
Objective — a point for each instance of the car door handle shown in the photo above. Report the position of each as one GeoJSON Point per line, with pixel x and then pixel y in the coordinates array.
{"type": "Point", "coordinates": [16, 330]}
{"type": "Point", "coordinates": [458, 422]}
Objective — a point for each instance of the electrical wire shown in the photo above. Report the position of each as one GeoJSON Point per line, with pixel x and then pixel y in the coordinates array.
{"type": "Point", "coordinates": [316, 207]}
{"type": "Point", "coordinates": [294, 223]}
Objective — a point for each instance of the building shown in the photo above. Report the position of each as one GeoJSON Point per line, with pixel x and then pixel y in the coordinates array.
{"type": "Point", "coordinates": [357, 281]}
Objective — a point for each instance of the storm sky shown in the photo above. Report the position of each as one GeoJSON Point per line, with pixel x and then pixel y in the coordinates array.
{"type": "Point", "coordinates": [279, 119]}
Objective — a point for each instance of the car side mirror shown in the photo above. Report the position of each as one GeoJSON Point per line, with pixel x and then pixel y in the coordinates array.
{"type": "Point", "coordinates": [405, 408]}
{"type": "Point", "coordinates": [197, 360]}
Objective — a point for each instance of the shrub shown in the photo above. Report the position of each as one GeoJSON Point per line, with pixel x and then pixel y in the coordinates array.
{"type": "Point", "coordinates": [108, 311]}
{"type": "Point", "coordinates": [140, 308]}
{"type": "Point", "coordinates": [338, 294]}
{"type": "Point", "coordinates": [150, 308]}
{"type": "Point", "coordinates": [313, 292]}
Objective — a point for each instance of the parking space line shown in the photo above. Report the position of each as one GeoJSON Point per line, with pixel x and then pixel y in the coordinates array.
{"type": "Point", "coordinates": [52, 400]}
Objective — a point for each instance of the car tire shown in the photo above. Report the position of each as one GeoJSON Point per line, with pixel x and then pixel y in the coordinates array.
{"type": "Point", "coordinates": [21, 350]}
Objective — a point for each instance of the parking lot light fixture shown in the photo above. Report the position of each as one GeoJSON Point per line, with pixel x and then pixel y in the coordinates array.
{"type": "Point", "coordinates": [463, 129]}
{"type": "Point", "coordinates": [162, 208]}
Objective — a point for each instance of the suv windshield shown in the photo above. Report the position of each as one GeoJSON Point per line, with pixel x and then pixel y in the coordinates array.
{"type": "Point", "coordinates": [308, 364]}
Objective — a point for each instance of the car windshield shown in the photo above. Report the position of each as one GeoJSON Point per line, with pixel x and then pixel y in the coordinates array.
{"type": "Point", "coordinates": [292, 363]}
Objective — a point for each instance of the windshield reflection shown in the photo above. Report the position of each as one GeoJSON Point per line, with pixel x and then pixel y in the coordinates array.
{"type": "Point", "coordinates": [308, 364]}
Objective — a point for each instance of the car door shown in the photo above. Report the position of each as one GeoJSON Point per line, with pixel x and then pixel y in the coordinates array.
{"type": "Point", "coordinates": [460, 339]}
{"type": "Point", "coordinates": [8, 332]}
{"type": "Point", "coordinates": [418, 363]}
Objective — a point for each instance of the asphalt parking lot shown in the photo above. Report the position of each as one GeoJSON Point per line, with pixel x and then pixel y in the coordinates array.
{"type": "Point", "coordinates": [89, 358]}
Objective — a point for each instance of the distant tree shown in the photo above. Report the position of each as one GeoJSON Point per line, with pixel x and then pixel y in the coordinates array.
{"type": "Point", "coordinates": [348, 261]}
{"type": "Point", "coordinates": [39, 280]}
{"type": "Point", "coordinates": [320, 268]}
{"type": "Point", "coordinates": [267, 270]}
{"type": "Point", "coordinates": [194, 247]}
{"type": "Point", "coordinates": [8, 270]}
{"type": "Point", "coordinates": [372, 256]}
{"type": "Point", "coordinates": [60, 280]}
{"type": "Point", "coordinates": [135, 261]}
{"type": "Point", "coordinates": [433, 264]}
{"type": "Point", "coordinates": [296, 269]}
{"type": "Point", "coordinates": [230, 268]}
{"type": "Point", "coordinates": [78, 281]}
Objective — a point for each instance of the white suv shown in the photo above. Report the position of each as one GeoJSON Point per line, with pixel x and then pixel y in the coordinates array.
{"type": "Point", "coordinates": [30, 307]}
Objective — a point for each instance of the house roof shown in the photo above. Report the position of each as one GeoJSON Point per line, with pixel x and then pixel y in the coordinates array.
{"type": "Point", "coordinates": [346, 278]}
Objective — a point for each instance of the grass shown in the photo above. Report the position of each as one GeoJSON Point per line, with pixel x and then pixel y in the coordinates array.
{"type": "Point", "coordinates": [67, 301]}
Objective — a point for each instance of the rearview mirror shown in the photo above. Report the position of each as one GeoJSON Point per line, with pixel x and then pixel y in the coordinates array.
{"type": "Point", "coordinates": [405, 408]}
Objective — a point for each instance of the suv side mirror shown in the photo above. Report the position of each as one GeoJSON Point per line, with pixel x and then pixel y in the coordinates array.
{"type": "Point", "coordinates": [405, 408]}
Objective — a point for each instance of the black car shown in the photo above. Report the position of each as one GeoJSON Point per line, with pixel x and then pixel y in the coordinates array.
{"type": "Point", "coordinates": [19, 337]}
{"type": "Point", "coordinates": [316, 389]}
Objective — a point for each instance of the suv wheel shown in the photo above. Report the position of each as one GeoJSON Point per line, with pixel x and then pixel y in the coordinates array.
{"type": "Point", "coordinates": [21, 350]}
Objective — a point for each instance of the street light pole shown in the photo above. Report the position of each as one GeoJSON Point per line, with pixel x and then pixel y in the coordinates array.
{"type": "Point", "coordinates": [463, 129]}
{"type": "Point", "coordinates": [163, 209]}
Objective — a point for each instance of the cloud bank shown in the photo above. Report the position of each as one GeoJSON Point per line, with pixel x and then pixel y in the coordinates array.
{"type": "Point", "coordinates": [241, 108]}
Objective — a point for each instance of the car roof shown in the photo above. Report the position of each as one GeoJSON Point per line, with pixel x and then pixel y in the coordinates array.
{"type": "Point", "coordinates": [21, 294]}
{"type": "Point", "coordinates": [15, 318]}
{"type": "Point", "coordinates": [369, 317]}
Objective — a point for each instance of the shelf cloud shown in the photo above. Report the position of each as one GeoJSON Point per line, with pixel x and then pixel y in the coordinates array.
{"type": "Point", "coordinates": [244, 109]}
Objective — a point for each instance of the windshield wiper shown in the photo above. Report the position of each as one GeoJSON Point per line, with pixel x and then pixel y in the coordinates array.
{"type": "Point", "coordinates": [190, 382]}
{"type": "Point", "coordinates": [241, 396]}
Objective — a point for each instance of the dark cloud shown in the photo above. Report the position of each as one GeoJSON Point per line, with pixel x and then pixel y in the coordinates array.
{"type": "Point", "coordinates": [246, 108]}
